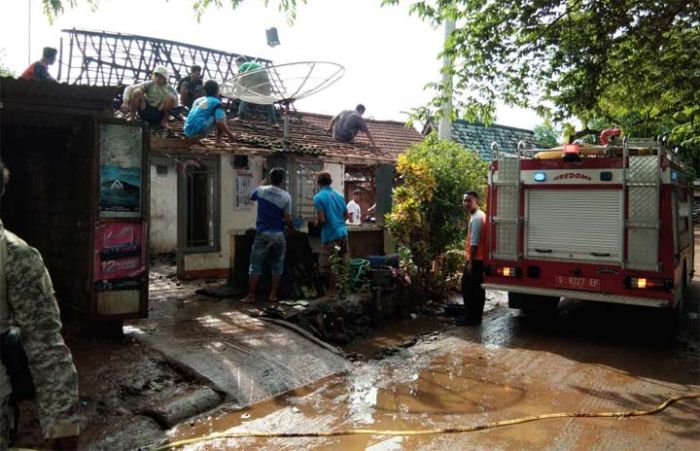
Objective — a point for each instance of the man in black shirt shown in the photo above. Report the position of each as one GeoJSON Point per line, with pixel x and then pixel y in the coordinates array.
{"type": "Point", "coordinates": [191, 87]}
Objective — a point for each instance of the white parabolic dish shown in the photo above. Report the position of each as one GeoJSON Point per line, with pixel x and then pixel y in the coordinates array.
{"type": "Point", "coordinates": [282, 83]}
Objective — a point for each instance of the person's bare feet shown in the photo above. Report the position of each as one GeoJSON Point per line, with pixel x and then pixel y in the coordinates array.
{"type": "Point", "coordinates": [248, 300]}
{"type": "Point", "coordinates": [273, 299]}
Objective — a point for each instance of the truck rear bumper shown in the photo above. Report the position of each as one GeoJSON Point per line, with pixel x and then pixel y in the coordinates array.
{"type": "Point", "coordinates": [588, 296]}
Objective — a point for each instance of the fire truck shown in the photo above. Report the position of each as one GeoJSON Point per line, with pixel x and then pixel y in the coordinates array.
{"type": "Point", "coordinates": [604, 223]}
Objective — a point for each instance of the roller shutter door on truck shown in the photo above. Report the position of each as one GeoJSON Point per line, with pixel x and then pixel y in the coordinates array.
{"type": "Point", "coordinates": [574, 225]}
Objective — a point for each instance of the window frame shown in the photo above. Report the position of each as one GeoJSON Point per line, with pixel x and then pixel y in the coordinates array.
{"type": "Point", "coordinates": [214, 163]}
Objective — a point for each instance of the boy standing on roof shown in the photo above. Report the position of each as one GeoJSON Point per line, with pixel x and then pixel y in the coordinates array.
{"type": "Point", "coordinates": [152, 100]}
{"type": "Point", "coordinates": [207, 114]}
{"type": "Point", "coordinates": [40, 69]}
{"type": "Point", "coordinates": [348, 124]}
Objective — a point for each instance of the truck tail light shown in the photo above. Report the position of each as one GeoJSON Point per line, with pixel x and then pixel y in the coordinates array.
{"type": "Point", "coordinates": [503, 271]}
{"type": "Point", "coordinates": [644, 283]}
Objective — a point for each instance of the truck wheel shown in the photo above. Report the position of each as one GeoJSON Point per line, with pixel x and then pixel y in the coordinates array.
{"type": "Point", "coordinates": [533, 304]}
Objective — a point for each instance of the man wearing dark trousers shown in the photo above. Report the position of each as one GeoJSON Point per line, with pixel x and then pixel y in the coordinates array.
{"type": "Point", "coordinates": [473, 294]}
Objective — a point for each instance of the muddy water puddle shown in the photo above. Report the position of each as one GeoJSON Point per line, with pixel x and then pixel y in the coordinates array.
{"type": "Point", "coordinates": [508, 368]}
{"type": "Point", "coordinates": [399, 334]}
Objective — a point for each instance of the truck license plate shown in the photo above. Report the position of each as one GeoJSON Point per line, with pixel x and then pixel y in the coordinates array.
{"type": "Point", "coordinates": [577, 283]}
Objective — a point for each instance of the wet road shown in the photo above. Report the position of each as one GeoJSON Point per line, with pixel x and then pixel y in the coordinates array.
{"type": "Point", "coordinates": [590, 358]}
{"type": "Point", "coordinates": [593, 357]}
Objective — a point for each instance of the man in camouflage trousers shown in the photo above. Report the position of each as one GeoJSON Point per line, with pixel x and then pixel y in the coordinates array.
{"type": "Point", "coordinates": [27, 301]}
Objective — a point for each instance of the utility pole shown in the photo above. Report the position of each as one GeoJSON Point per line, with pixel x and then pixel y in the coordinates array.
{"type": "Point", "coordinates": [445, 126]}
{"type": "Point", "coordinates": [29, 32]}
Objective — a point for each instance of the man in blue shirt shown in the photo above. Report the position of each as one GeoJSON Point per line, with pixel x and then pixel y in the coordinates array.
{"type": "Point", "coordinates": [331, 213]}
{"type": "Point", "coordinates": [274, 212]}
{"type": "Point", "coordinates": [207, 114]}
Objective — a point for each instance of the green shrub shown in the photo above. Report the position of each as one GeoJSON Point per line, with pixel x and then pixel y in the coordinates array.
{"type": "Point", "coordinates": [427, 216]}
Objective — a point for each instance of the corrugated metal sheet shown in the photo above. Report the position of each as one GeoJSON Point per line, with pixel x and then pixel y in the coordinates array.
{"type": "Point", "coordinates": [574, 225]}
{"type": "Point", "coordinates": [15, 91]}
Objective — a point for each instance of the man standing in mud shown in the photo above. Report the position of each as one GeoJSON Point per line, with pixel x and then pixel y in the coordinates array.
{"type": "Point", "coordinates": [27, 304]}
{"type": "Point", "coordinates": [473, 276]}
{"type": "Point", "coordinates": [274, 212]}
{"type": "Point", "coordinates": [331, 213]}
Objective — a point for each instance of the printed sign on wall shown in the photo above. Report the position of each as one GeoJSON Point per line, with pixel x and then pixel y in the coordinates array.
{"type": "Point", "coordinates": [119, 261]}
{"type": "Point", "coordinates": [120, 171]}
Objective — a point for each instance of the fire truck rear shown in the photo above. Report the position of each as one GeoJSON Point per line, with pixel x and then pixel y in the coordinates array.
{"type": "Point", "coordinates": [606, 223]}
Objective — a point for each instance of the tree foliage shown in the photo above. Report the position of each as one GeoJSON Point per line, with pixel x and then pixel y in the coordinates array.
{"type": "Point", "coordinates": [5, 71]}
{"type": "Point", "coordinates": [634, 59]}
{"type": "Point", "coordinates": [53, 8]}
{"type": "Point", "coordinates": [546, 135]}
{"type": "Point", "coordinates": [427, 216]}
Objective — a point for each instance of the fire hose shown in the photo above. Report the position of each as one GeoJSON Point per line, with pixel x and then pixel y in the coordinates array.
{"type": "Point", "coordinates": [451, 430]}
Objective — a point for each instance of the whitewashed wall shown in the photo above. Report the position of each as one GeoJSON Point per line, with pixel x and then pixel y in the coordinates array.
{"type": "Point", "coordinates": [337, 171]}
{"type": "Point", "coordinates": [163, 223]}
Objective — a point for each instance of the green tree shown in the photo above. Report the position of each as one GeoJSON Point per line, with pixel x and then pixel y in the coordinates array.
{"type": "Point", "coordinates": [5, 72]}
{"type": "Point", "coordinates": [546, 135]}
{"type": "Point", "coordinates": [575, 58]}
{"type": "Point", "coordinates": [427, 217]}
{"type": "Point", "coordinates": [52, 8]}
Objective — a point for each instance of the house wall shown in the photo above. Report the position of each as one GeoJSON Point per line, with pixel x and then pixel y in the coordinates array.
{"type": "Point", "coordinates": [237, 215]}
{"type": "Point", "coordinates": [163, 226]}
{"type": "Point", "coordinates": [337, 171]}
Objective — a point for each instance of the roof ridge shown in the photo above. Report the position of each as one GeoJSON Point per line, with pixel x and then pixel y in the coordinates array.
{"type": "Point", "coordinates": [481, 124]}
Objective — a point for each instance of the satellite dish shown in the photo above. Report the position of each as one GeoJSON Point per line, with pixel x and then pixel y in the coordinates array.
{"type": "Point", "coordinates": [283, 84]}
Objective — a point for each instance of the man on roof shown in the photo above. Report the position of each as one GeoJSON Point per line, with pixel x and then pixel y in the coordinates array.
{"type": "Point", "coordinates": [40, 69]}
{"type": "Point", "coordinates": [152, 100]}
{"type": "Point", "coordinates": [256, 84]}
{"type": "Point", "coordinates": [348, 124]}
{"type": "Point", "coordinates": [191, 87]}
{"type": "Point", "coordinates": [207, 114]}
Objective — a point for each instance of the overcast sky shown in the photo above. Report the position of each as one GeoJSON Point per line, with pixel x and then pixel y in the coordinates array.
{"type": "Point", "coordinates": [388, 55]}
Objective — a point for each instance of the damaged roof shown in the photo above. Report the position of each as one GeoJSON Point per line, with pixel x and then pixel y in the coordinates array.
{"type": "Point", "coordinates": [46, 93]}
{"type": "Point", "coordinates": [307, 137]}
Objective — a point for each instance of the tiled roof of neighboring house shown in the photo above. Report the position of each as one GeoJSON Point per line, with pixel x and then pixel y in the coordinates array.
{"type": "Point", "coordinates": [478, 137]}
{"type": "Point", "coordinates": [307, 137]}
{"type": "Point", "coordinates": [392, 137]}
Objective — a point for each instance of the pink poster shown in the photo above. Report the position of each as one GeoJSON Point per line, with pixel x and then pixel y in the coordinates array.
{"type": "Point", "coordinates": [119, 251]}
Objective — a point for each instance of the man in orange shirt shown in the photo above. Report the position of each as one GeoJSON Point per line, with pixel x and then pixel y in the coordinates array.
{"type": "Point", "coordinates": [474, 296]}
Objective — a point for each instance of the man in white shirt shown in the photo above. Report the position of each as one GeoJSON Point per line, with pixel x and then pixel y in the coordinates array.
{"type": "Point", "coordinates": [354, 212]}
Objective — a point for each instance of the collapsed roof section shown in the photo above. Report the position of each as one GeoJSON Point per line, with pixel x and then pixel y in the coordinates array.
{"type": "Point", "coordinates": [101, 58]}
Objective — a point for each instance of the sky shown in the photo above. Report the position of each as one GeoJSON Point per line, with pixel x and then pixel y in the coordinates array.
{"type": "Point", "coordinates": [389, 56]}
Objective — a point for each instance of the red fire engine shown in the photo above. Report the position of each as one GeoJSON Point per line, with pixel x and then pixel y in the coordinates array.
{"type": "Point", "coordinates": [608, 223]}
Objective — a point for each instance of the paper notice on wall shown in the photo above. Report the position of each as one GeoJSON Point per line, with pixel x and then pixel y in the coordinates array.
{"type": "Point", "coordinates": [244, 188]}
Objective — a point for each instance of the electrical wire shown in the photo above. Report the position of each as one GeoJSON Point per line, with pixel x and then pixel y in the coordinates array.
{"type": "Point", "coordinates": [451, 430]}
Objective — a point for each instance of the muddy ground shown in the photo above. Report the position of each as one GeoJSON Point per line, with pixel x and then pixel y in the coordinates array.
{"type": "Point", "coordinates": [415, 374]}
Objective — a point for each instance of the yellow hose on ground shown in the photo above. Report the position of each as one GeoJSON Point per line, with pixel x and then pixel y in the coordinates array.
{"type": "Point", "coordinates": [453, 430]}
